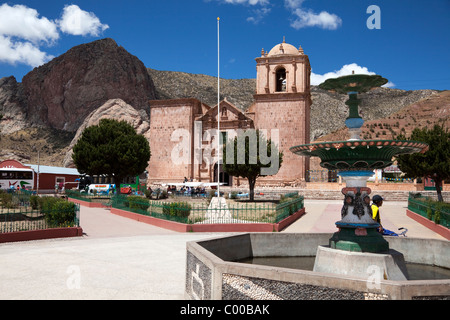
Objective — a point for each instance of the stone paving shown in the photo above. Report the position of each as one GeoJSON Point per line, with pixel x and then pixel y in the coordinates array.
{"type": "Point", "coordinates": [119, 258]}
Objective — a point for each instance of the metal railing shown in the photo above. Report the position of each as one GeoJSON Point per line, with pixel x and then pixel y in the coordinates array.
{"type": "Point", "coordinates": [19, 212]}
{"type": "Point", "coordinates": [201, 211]}
{"type": "Point", "coordinates": [438, 212]}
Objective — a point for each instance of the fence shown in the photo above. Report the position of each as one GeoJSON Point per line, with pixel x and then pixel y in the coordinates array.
{"type": "Point", "coordinates": [427, 207]}
{"type": "Point", "coordinates": [25, 212]}
{"type": "Point", "coordinates": [191, 212]}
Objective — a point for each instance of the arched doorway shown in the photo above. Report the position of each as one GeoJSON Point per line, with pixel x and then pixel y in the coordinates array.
{"type": "Point", "coordinates": [223, 176]}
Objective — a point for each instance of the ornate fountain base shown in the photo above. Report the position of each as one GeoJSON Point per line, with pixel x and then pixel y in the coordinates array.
{"type": "Point", "coordinates": [357, 230]}
{"type": "Point", "coordinates": [358, 237]}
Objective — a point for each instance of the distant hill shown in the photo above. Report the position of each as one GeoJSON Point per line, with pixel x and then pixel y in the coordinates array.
{"type": "Point", "coordinates": [175, 85]}
{"type": "Point", "coordinates": [434, 109]}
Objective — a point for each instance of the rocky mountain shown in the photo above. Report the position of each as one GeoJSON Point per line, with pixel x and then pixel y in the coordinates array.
{"type": "Point", "coordinates": [12, 106]}
{"type": "Point", "coordinates": [61, 93]}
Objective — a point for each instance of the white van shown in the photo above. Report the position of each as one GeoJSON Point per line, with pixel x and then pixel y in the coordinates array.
{"type": "Point", "coordinates": [101, 188]}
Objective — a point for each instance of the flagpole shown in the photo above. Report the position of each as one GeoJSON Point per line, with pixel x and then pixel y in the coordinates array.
{"type": "Point", "coordinates": [218, 109]}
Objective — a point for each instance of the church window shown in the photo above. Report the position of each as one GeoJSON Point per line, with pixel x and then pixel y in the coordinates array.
{"type": "Point", "coordinates": [281, 80]}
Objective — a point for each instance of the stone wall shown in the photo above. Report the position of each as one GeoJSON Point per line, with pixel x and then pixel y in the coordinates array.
{"type": "Point", "coordinates": [166, 117]}
{"type": "Point", "coordinates": [286, 115]}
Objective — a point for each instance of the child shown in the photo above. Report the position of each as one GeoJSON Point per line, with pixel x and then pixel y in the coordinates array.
{"type": "Point", "coordinates": [377, 203]}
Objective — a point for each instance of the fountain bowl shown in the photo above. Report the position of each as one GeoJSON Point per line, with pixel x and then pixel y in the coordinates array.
{"type": "Point", "coordinates": [358, 154]}
{"type": "Point", "coordinates": [213, 273]}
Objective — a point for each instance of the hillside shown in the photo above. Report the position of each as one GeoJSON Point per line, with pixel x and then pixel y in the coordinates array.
{"type": "Point", "coordinates": [175, 85]}
{"type": "Point", "coordinates": [434, 109]}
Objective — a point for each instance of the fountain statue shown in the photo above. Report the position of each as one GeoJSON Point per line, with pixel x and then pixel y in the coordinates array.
{"type": "Point", "coordinates": [355, 160]}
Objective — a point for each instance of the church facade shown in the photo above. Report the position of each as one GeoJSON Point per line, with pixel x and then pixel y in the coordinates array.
{"type": "Point", "coordinates": [183, 132]}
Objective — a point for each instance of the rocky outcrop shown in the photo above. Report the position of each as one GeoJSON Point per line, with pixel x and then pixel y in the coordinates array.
{"type": "Point", "coordinates": [12, 106]}
{"type": "Point", "coordinates": [113, 109]}
{"type": "Point", "coordinates": [62, 92]}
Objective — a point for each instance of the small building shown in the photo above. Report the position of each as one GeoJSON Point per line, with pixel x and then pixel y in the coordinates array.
{"type": "Point", "coordinates": [14, 174]}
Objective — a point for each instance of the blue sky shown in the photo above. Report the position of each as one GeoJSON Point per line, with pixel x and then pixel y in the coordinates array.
{"type": "Point", "coordinates": [411, 48]}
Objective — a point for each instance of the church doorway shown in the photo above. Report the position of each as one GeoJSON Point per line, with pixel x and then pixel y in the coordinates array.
{"type": "Point", "coordinates": [223, 176]}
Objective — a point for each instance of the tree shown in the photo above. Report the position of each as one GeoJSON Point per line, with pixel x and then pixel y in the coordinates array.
{"type": "Point", "coordinates": [435, 163]}
{"type": "Point", "coordinates": [111, 148]}
{"type": "Point", "coordinates": [250, 155]}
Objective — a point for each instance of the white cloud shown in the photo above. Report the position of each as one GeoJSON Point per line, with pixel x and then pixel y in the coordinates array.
{"type": "Point", "coordinates": [293, 4]}
{"type": "Point", "coordinates": [251, 2]}
{"type": "Point", "coordinates": [13, 52]}
{"type": "Point", "coordinates": [307, 18]}
{"type": "Point", "coordinates": [23, 32]}
{"type": "Point", "coordinates": [23, 22]}
{"type": "Point", "coordinates": [389, 85]}
{"type": "Point", "coordinates": [80, 23]}
{"type": "Point", "coordinates": [258, 15]}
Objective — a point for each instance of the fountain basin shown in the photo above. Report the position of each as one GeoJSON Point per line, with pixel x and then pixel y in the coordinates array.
{"type": "Point", "coordinates": [212, 272]}
{"type": "Point", "coordinates": [358, 154]}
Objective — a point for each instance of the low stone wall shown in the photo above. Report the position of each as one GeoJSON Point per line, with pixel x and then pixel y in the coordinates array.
{"type": "Point", "coordinates": [41, 234]}
{"type": "Point", "coordinates": [212, 274]}
{"type": "Point", "coordinates": [211, 227]}
{"type": "Point", "coordinates": [443, 231]}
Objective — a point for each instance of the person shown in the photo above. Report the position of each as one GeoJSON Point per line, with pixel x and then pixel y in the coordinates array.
{"type": "Point", "coordinates": [377, 202]}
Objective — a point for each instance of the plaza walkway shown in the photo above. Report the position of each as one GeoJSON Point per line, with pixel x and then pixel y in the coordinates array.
{"type": "Point", "coordinates": [119, 258]}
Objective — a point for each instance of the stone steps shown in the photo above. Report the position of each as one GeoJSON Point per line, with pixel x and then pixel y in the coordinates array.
{"type": "Point", "coordinates": [387, 195]}
{"type": "Point", "coordinates": [312, 194]}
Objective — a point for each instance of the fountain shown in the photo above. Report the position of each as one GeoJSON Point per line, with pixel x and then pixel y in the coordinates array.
{"type": "Point", "coordinates": [355, 160]}
{"type": "Point", "coordinates": [342, 269]}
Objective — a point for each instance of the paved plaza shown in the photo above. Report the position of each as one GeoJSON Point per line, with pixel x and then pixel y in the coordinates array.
{"type": "Point", "coordinates": [119, 258]}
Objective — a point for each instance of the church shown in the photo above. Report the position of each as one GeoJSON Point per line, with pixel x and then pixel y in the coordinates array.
{"type": "Point", "coordinates": [183, 132]}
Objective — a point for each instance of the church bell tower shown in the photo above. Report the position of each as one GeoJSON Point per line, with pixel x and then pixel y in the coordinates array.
{"type": "Point", "coordinates": [282, 103]}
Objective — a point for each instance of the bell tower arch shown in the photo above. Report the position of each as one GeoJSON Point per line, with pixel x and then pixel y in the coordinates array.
{"type": "Point", "coordinates": [283, 102]}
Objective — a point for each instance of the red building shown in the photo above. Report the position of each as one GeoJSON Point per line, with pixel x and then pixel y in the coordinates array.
{"type": "Point", "coordinates": [13, 174]}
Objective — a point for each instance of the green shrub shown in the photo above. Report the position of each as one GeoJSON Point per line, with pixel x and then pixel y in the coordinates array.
{"type": "Point", "coordinates": [429, 213]}
{"type": "Point", "coordinates": [34, 202]}
{"type": "Point", "coordinates": [138, 202]}
{"type": "Point", "coordinates": [177, 209]}
{"type": "Point", "coordinates": [7, 200]}
{"type": "Point", "coordinates": [437, 212]}
{"type": "Point", "coordinates": [58, 212]}
{"type": "Point", "coordinates": [437, 216]}
{"type": "Point", "coordinates": [148, 193]}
